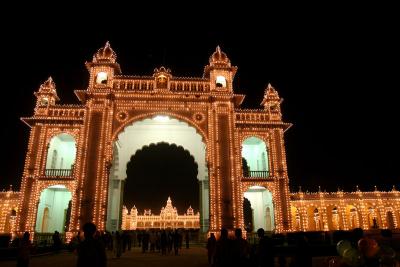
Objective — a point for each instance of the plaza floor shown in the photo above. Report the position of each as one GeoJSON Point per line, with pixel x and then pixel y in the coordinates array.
{"type": "Point", "coordinates": [195, 256]}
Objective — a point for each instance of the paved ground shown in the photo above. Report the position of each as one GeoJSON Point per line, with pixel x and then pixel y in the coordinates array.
{"type": "Point", "coordinates": [195, 256]}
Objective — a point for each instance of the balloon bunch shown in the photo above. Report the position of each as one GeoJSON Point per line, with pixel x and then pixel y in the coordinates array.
{"type": "Point", "coordinates": [367, 253]}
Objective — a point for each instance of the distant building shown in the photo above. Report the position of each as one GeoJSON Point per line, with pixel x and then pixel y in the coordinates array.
{"type": "Point", "coordinates": [167, 219]}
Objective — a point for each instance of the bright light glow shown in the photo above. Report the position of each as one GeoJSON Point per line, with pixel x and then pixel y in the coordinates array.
{"type": "Point", "coordinates": [57, 186]}
{"type": "Point", "coordinates": [161, 118]}
{"type": "Point", "coordinates": [221, 81]}
{"type": "Point", "coordinates": [256, 187]}
{"type": "Point", "coordinates": [101, 78]}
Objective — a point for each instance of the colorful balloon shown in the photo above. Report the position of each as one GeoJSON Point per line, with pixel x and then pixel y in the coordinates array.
{"type": "Point", "coordinates": [342, 245]}
{"type": "Point", "coordinates": [363, 245]}
{"type": "Point", "coordinates": [353, 257]}
{"type": "Point", "coordinates": [372, 249]}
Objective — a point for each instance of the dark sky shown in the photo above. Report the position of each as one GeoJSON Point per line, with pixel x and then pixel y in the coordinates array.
{"type": "Point", "coordinates": [336, 68]}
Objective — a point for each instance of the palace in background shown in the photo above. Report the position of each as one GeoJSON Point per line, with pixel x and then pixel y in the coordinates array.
{"type": "Point", "coordinates": [167, 219]}
{"type": "Point", "coordinates": [77, 156]}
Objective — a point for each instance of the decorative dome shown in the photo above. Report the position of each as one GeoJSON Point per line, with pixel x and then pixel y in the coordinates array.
{"type": "Point", "coordinates": [219, 57]}
{"type": "Point", "coordinates": [105, 53]}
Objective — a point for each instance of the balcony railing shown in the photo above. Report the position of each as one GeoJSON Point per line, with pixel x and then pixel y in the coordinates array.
{"type": "Point", "coordinates": [256, 174]}
{"type": "Point", "coordinates": [58, 172]}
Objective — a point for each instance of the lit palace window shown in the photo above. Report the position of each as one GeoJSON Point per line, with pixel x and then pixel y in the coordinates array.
{"type": "Point", "coordinates": [101, 78]}
{"type": "Point", "coordinates": [221, 81]}
{"type": "Point", "coordinates": [44, 101]}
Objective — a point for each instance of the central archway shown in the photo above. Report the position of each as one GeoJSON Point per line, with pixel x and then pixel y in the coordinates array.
{"type": "Point", "coordinates": [159, 128]}
{"type": "Point", "coordinates": [169, 171]}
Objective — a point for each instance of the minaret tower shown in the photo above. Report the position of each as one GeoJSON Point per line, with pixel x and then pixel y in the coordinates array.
{"type": "Point", "coordinates": [46, 96]}
{"type": "Point", "coordinates": [103, 68]}
{"type": "Point", "coordinates": [220, 71]}
{"type": "Point", "coordinates": [272, 102]}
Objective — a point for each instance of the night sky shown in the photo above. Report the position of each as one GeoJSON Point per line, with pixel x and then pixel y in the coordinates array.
{"type": "Point", "coordinates": [336, 70]}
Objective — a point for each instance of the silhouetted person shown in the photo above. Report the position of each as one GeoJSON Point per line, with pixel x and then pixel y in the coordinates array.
{"type": "Point", "coordinates": [176, 238]}
{"type": "Point", "coordinates": [163, 243]}
{"type": "Point", "coordinates": [187, 239]}
{"type": "Point", "coordinates": [265, 250]}
{"type": "Point", "coordinates": [117, 244]}
{"type": "Point", "coordinates": [56, 241]}
{"type": "Point", "coordinates": [303, 256]}
{"type": "Point", "coordinates": [24, 251]}
{"type": "Point", "coordinates": [211, 248]}
{"type": "Point", "coordinates": [129, 237]}
{"type": "Point", "coordinates": [223, 254]}
{"type": "Point", "coordinates": [91, 252]}
{"type": "Point", "coordinates": [240, 249]}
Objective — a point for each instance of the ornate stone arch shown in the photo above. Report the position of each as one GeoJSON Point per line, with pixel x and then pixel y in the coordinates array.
{"type": "Point", "coordinates": [140, 117]}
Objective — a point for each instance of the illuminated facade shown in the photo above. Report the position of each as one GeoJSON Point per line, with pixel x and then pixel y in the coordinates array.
{"type": "Point", "coordinates": [167, 219]}
{"type": "Point", "coordinates": [324, 211]}
{"type": "Point", "coordinates": [77, 154]}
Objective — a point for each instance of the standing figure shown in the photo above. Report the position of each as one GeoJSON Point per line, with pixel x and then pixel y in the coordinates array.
{"type": "Point", "coordinates": [91, 252]}
{"type": "Point", "coordinates": [211, 247]}
{"type": "Point", "coordinates": [24, 251]}
{"type": "Point", "coordinates": [187, 239]}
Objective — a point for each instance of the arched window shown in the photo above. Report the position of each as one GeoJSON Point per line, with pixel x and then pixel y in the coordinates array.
{"type": "Point", "coordinates": [255, 158]}
{"type": "Point", "coordinates": [53, 202]}
{"type": "Point", "coordinates": [101, 77]}
{"type": "Point", "coordinates": [61, 155]}
{"type": "Point", "coordinates": [220, 81]}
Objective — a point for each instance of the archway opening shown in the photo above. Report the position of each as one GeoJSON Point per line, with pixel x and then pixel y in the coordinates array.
{"type": "Point", "coordinates": [142, 153]}
{"type": "Point", "coordinates": [353, 217]}
{"type": "Point", "coordinates": [390, 220]}
{"type": "Point", "coordinates": [262, 206]}
{"type": "Point", "coordinates": [61, 155]}
{"type": "Point", "coordinates": [159, 171]}
{"type": "Point", "coordinates": [255, 158]}
{"type": "Point", "coordinates": [296, 219]}
{"type": "Point", "coordinates": [52, 213]}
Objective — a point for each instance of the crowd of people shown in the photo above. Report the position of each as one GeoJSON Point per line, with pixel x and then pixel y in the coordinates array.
{"type": "Point", "coordinates": [162, 241]}
{"type": "Point", "coordinates": [237, 251]}
{"type": "Point", "coordinates": [226, 250]}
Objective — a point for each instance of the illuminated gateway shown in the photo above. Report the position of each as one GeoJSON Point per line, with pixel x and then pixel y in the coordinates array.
{"type": "Point", "coordinates": [77, 155]}
{"type": "Point", "coordinates": [167, 219]}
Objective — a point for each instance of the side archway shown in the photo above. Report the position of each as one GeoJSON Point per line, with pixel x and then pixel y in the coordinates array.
{"type": "Point", "coordinates": [52, 209]}
{"type": "Point", "coordinates": [262, 207]}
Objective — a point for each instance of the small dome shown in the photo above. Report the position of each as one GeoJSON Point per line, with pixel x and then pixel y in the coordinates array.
{"type": "Point", "coordinates": [219, 57]}
{"type": "Point", "coordinates": [105, 53]}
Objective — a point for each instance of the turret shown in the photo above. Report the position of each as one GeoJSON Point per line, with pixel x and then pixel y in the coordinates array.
{"type": "Point", "coordinates": [272, 102]}
{"type": "Point", "coordinates": [103, 68]}
{"type": "Point", "coordinates": [220, 72]}
{"type": "Point", "coordinates": [46, 96]}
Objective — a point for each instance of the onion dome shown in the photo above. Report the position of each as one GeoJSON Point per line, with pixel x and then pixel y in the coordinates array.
{"type": "Point", "coordinates": [105, 53]}
{"type": "Point", "coordinates": [219, 57]}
